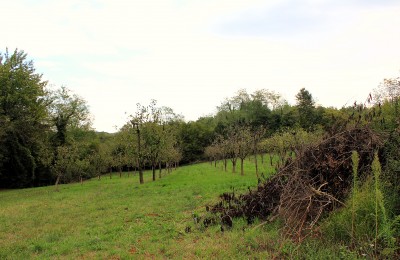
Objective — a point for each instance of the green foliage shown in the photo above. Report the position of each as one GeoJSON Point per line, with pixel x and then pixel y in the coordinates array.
{"type": "Point", "coordinates": [382, 226]}
{"type": "Point", "coordinates": [369, 224]}
{"type": "Point", "coordinates": [391, 153]}
{"type": "Point", "coordinates": [355, 158]}
{"type": "Point", "coordinates": [118, 218]}
{"type": "Point", "coordinates": [34, 123]}
{"type": "Point", "coordinates": [107, 218]}
{"type": "Point", "coordinates": [67, 111]}
{"type": "Point", "coordinates": [305, 106]}
{"type": "Point", "coordinates": [22, 116]}
{"type": "Point", "coordinates": [193, 137]}
{"type": "Point", "coordinates": [294, 140]}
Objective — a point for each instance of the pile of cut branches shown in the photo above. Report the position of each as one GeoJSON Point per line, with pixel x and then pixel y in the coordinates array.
{"type": "Point", "coordinates": [307, 187]}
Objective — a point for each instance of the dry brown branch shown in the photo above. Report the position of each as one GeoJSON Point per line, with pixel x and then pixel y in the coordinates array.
{"type": "Point", "coordinates": [307, 187]}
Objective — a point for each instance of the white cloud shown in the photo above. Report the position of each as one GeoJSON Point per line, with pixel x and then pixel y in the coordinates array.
{"type": "Point", "coordinates": [118, 53]}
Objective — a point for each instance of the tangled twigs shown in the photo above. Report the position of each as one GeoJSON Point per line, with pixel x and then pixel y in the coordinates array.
{"type": "Point", "coordinates": [315, 182]}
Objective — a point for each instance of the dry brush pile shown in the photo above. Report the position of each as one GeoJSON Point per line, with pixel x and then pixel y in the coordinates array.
{"type": "Point", "coordinates": [305, 188]}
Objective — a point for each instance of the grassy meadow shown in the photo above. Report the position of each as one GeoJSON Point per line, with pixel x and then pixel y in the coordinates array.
{"type": "Point", "coordinates": [119, 219]}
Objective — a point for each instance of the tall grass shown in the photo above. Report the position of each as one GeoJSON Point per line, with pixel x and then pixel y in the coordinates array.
{"type": "Point", "coordinates": [355, 160]}
{"type": "Point", "coordinates": [363, 224]}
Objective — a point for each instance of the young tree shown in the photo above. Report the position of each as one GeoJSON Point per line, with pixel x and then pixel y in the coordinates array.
{"type": "Point", "coordinates": [256, 137]}
{"type": "Point", "coordinates": [223, 148]}
{"type": "Point", "coordinates": [137, 121]}
{"type": "Point", "coordinates": [244, 144]}
{"type": "Point", "coordinates": [64, 163]}
{"type": "Point", "coordinates": [119, 152]}
{"type": "Point", "coordinates": [232, 143]}
{"type": "Point", "coordinates": [100, 159]}
{"type": "Point", "coordinates": [146, 122]}
{"type": "Point", "coordinates": [153, 142]}
{"type": "Point", "coordinates": [212, 153]}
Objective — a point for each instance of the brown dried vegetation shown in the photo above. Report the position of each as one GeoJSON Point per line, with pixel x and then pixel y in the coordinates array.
{"type": "Point", "coordinates": [307, 187]}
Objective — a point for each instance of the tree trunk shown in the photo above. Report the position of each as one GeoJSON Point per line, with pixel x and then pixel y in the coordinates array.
{"type": "Point", "coordinates": [215, 163]}
{"type": "Point", "coordinates": [141, 180]}
{"type": "Point", "coordinates": [225, 163]}
{"type": "Point", "coordinates": [120, 172]}
{"type": "Point", "coordinates": [262, 158]}
{"type": "Point", "coordinates": [241, 166]}
{"type": "Point", "coordinates": [57, 181]}
{"type": "Point", "coordinates": [256, 163]}
{"type": "Point", "coordinates": [153, 169]}
{"type": "Point", "coordinates": [110, 172]}
{"type": "Point", "coordinates": [159, 170]}
{"type": "Point", "coordinates": [234, 166]}
{"type": "Point", "coordinates": [270, 160]}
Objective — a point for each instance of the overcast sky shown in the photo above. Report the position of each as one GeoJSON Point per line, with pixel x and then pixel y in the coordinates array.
{"type": "Point", "coordinates": [191, 54]}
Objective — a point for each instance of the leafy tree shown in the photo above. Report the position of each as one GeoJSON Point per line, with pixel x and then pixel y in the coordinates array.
{"type": "Point", "coordinates": [69, 115]}
{"type": "Point", "coordinates": [232, 138]}
{"type": "Point", "coordinates": [67, 111]}
{"type": "Point", "coordinates": [144, 119]}
{"type": "Point", "coordinates": [388, 90]}
{"type": "Point", "coordinates": [169, 146]}
{"type": "Point", "coordinates": [213, 153]}
{"type": "Point", "coordinates": [67, 165]}
{"type": "Point", "coordinates": [23, 131]}
{"type": "Point", "coordinates": [120, 151]}
{"type": "Point", "coordinates": [194, 136]}
{"type": "Point", "coordinates": [287, 118]}
{"type": "Point", "coordinates": [222, 148]}
{"type": "Point", "coordinates": [387, 101]}
{"type": "Point", "coordinates": [128, 137]}
{"type": "Point", "coordinates": [153, 143]}
{"type": "Point", "coordinates": [100, 159]}
{"type": "Point", "coordinates": [306, 107]}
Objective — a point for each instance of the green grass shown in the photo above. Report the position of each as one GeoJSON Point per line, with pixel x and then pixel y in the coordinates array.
{"type": "Point", "coordinates": [119, 219]}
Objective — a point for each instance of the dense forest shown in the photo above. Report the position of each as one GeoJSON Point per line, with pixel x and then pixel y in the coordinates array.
{"type": "Point", "coordinates": [46, 135]}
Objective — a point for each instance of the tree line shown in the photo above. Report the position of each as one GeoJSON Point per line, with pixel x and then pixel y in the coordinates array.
{"type": "Point", "coordinates": [46, 135]}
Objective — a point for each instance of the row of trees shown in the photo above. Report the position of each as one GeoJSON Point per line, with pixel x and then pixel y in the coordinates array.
{"type": "Point", "coordinates": [46, 135]}
{"type": "Point", "coordinates": [263, 122]}
{"type": "Point", "coordinates": [148, 139]}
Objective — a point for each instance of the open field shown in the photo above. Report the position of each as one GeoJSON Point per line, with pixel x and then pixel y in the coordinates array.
{"type": "Point", "coordinates": [119, 219]}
